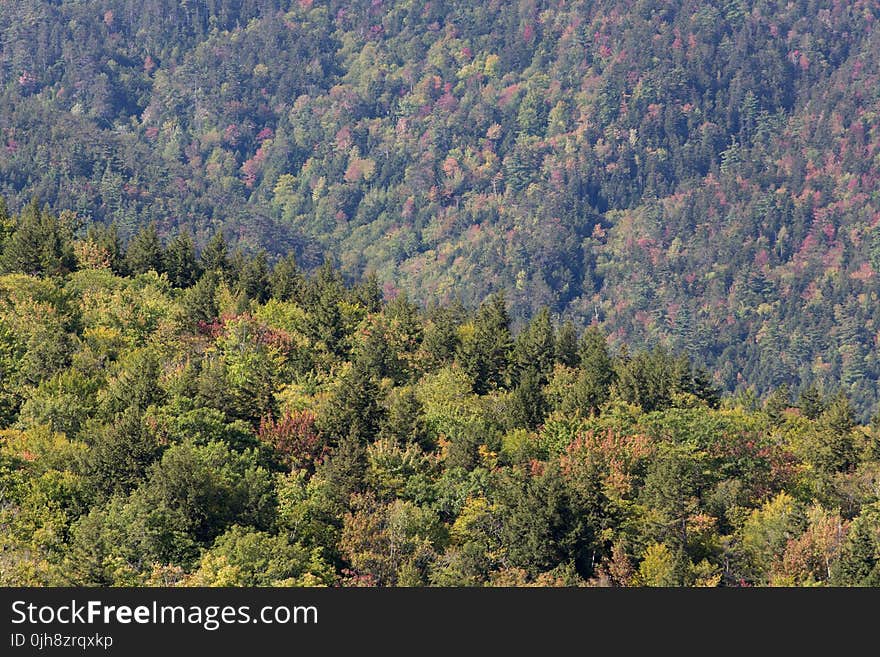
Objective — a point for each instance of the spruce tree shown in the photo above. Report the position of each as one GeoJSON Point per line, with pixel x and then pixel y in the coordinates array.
{"type": "Point", "coordinates": [440, 339]}
{"type": "Point", "coordinates": [353, 410]}
{"type": "Point", "coordinates": [777, 401]}
{"type": "Point", "coordinates": [145, 252]}
{"type": "Point", "coordinates": [859, 563]}
{"type": "Point", "coordinates": [485, 355]}
{"type": "Point", "coordinates": [528, 404]}
{"type": "Point", "coordinates": [367, 293]}
{"type": "Point", "coordinates": [567, 345]}
{"type": "Point", "coordinates": [405, 321]}
{"type": "Point", "coordinates": [180, 261]}
{"type": "Point", "coordinates": [199, 302]}
{"type": "Point", "coordinates": [405, 421]}
{"type": "Point", "coordinates": [811, 402]}
{"type": "Point", "coordinates": [253, 277]}
{"type": "Point", "coordinates": [595, 375]}
{"type": "Point", "coordinates": [535, 347]}
{"type": "Point", "coordinates": [7, 225]}
{"type": "Point", "coordinates": [215, 255]}
{"type": "Point", "coordinates": [106, 238]}
{"type": "Point", "coordinates": [41, 244]}
{"type": "Point", "coordinates": [286, 282]}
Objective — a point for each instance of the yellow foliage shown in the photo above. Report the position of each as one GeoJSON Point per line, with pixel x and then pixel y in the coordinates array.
{"type": "Point", "coordinates": [488, 458]}
{"type": "Point", "coordinates": [41, 447]}
{"type": "Point", "coordinates": [658, 567]}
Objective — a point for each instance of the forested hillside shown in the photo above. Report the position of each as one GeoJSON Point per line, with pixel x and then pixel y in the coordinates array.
{"type": "Point", "coordinates": [168, 419]}
{"type": "Point", "coordinates": [696, 175]}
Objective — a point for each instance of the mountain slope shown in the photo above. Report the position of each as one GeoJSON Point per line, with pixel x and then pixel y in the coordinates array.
{"type": "Point", "coordinates": [696, 174]}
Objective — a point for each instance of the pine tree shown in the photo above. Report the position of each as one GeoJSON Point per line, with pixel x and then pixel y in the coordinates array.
{"type": "Point", "coordinates": [286, 282]}
{"type": "Point", "coordinates": [440, 339]}
{"type": "Point", "coordinates": [701, 385]}
{"type": "Point", "coordinates": [405, 421]}
{"type": "Point", "coordinates": [145, 252]}
{"type": "Point", "coordinates": [544, 522]}
{"type": "Point", "coordinates": [567, 345]}
{"type": "Point", "coordinates": [777, 402]}
{"type": "Point", "coordinates": [253, 277]}
{"type": "Point", "coordinates": [353, 410]}
{"type": "Point", "coordinates": [595, 375]}
{"type": "Point", "coordinates": [374, 351]}
{"type": "Point", "coordinates": [859, 563]}
{"type": "Point", "coordinates": [485, 355]}
{"type": "Point", "coordinates": [106, 238]}
{"type": "Point", "coordinates": [651, 379]}
{"type": "Point", "coordinates": [835, 449]}
{"type": "Point", "coordinates": [367, 293]}
{"type": "Point", "coordinates": [215, 255]}
{"type": "Point", "coordinates": [180, 261]}
{"type": "Point", "coordinates": [40, 244]}
{"type": "Point", "coordinates": [199, 303]}
{"type": "Point", "coordinates": [323, 295]}
{"type": "Point", "coordinates": [811, 402]}
{"type": "Point", "coordinates": [839, 415]}
{"type": "Point", "coordinates": [344, 471]}
{"type": "Point", "coordinates": [6, 225]}
{"type": "Point", "coordinates": [535, 348]}
{"type": "Point", "coordinates": [405, 321]}
{"type": "Point", "coordinates": [119, 454]}
{"type": "Point", "coordinates": [528, 406]}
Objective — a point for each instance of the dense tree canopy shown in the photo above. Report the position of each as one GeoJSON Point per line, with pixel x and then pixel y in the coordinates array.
{"type": "Point", "coordinates": [210, 430]}
{"type": "Point", "coordinates": [698, 176]}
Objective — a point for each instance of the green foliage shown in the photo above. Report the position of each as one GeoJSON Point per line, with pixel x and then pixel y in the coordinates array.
{"type": "Point", "coordinates": [405, 420]}
{"type": "Point", "coordinates": [389, 544]}
{"type": "Point", "coordinates": [286, 281]}
{"type": "Point", "coordinates": [528, 405]}
{"type": "Point", "coordinates": [659, 567]}
{"type": "Point", "coordinates": [199, 303]}
{"type": "Point", "coordinates": [109, 252]}
{"type": "Point", "coordinates": [145, 251]}
{"type": "Point", "coordinates": [698, 178]}
{"type": "Point", "coordinates": [253, 276]}
{"type": "Point", "coordinates": [247, 558]}
{"type": "Point", "coordinates": [441, 337]}
{"type": "Point", "coordinates": [202, 436]}
{"type": "Point", "coordinates": [859, 563]}
{"type": "Point", "coordinates": [567, 345]}
{"type": "Point", "coordinates": [544, 522]}
{"type": "Point", "coordinates": [767, 531]}
{"type": "Point", "coordinates": [485, 349]}
{"type": "Point", "coordinates": [353, 409]}
{"type": "Point", "coordinates": [593, 384]}
{"type": "Point", "coordinates": [214, 257]}
{"type": "Point", "coordinates": [40, 243]}
{"type": "Point", "coordinates": [119, 453]}
{"type": "Point", "coordinates": [180, 261]}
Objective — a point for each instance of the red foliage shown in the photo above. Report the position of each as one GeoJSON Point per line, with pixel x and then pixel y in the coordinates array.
{"type": "Point", "coordinates": [343, 138]}
{"type": "Point", "coordinates": [27, 80]}
{"type": "Point", "coordinates": [294, 438]}
{"type": "Point", "coordinates": [231, 134]}
{"type": "Point", "coordinates": [351, 578]}
{"type": "Point", "coordinates": [213, 328]}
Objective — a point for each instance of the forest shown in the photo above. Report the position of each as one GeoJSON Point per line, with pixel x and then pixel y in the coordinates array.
{"type": "Point", "coordinates": [180, 417]}
{"type": "Point", "coordinates": [692, 177]}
